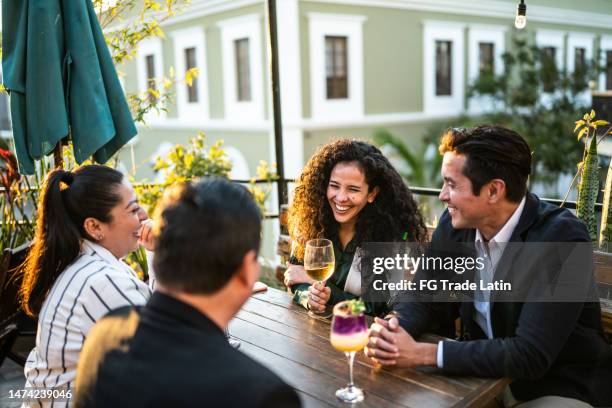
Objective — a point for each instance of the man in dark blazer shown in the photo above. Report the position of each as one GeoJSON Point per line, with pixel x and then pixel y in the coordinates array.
{"type": "Point", "coordinates": [554, 352]}
{"type": "Point", "coordinates": [173, 351]}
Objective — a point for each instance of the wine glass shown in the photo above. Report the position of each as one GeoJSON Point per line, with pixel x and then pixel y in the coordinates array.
{"type": "Point", "coordinates": [349, 334]}
{"type": "Point", "coordinates": [319, 262]}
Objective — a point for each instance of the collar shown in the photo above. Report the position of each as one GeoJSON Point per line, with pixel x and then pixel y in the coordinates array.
{"type": "Point", "coordinates": [531, 213]}
{"type": "Point", "coordinates": [505, 233]}
{"type": "Point", "coordinates": [177, 310]}
{"type": "Point", "coordinates": [350, 247]}
{"type": "Point", "coordinates": [90, 247]}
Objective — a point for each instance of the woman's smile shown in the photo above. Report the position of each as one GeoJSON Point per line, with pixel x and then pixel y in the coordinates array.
{"type": "Point", "coordinates": [341, 209]}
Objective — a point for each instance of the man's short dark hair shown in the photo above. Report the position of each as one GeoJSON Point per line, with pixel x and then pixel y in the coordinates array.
{"type": "Point", "coordinates": [492, 152]}
{"type": "Point", "coordinates": [203, 232]}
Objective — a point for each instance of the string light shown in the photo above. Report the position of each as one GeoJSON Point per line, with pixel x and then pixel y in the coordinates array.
{"type": "Point", "coordinates": [521, 15]}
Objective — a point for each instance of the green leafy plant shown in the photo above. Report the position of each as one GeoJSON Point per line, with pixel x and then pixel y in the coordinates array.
{"type": "Point", "coordinates": [18, 200]}
{"type": "Point", "coordinates": [535, 98]}
{"type": "Point", "coordinates": [588, 169]}
{"type": "Point", "coordinates": [189, 162]}
{"type": "Point", "coordinates": [261, 193]}
{"type": "Point", "coordinates": [588, 188]}
{"type": "Point", "coordinates": [355, 306]}
{"type": "Point", "coordinates": [605, 232]}
{"type": "Point", "coordinates": [138, 262]}
{"type": "Point", "coordinates": [185, 163]}
{"type": "Point", "coordinates": [126, 23]}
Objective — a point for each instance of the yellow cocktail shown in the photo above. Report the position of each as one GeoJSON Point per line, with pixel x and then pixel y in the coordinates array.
{"type": "Point", "coordinates": [349, 334]}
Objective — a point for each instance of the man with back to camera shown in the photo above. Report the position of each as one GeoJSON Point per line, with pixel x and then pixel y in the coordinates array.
{"type": "Point", "coordinates": [173, 351]}
{"type": "Point", "coordinates": [554, 352]}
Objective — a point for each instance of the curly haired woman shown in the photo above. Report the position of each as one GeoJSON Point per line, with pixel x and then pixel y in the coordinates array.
{"type": "Point", "coordinates": [349, 193]}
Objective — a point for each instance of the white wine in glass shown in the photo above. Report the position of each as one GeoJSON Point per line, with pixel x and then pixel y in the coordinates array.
{"type": "Point", "coordinates": [321, 272]}
{"type": "Point", "coordinates": [319, 261]}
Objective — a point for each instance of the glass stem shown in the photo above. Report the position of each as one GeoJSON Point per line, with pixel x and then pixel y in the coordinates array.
{"type": "Point", "coordinates": [351, 359]}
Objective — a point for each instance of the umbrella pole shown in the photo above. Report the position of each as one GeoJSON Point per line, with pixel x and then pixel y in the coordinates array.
{"type": "Point", "coordinates": [276, 103]}
{"type": "Point", "coordinates": [58, 161]}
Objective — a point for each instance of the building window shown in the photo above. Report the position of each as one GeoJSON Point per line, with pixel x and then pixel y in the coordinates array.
{"type": "Point", "coordinates": [486, 45]}
{"type": "Point", "coordinates": [579, 59]}
{"type": "Point", "coordinates": [443, 67]}
{"type": "Point", "coordinates": [549, 68]}
{"type": "Point", "coordinates": [555, 54]}
{"type": "Point", "coordinates": [336, 67]}
{"type": "Point", "coordinates": [190, 63]}
{"type": "Point", "coordinates": [150, 71]}
{"type": "Point", "coordinates": [189, 54]}
{"type": "Point", "coordinates": [486, 58]}
{"type": "Point", "coordinates": [609, 69]}
{"type": "Point", "coordinates": [243, 72]}
{"type": "Point", "coordinates": [243, 76]}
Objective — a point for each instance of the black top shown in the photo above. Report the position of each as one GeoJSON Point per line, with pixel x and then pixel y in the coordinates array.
{"type": "Point", "coordinates": [168, 354]}
{"type": "Point", "coordinates": [550, 348]}
{"type": "Point", "coordinates": [344, 260]}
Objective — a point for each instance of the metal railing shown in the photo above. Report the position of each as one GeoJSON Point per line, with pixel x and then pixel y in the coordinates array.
{"type": "Point", "coordinates": [434, 192]}
{"type": "Point", "coordinates": [418, 191]}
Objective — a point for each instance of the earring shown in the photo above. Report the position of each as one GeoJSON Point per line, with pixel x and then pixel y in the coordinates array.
{"type": "Point", "coordinates": [100, 237]}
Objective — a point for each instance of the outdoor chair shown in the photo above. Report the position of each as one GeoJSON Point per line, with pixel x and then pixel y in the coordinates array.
{"type": "Point", "coordinates": [15, 325]}
{"type": "Point", "coordinates": [8, 335]}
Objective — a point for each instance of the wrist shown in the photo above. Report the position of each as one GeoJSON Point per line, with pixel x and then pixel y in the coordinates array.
{"type": "Point", "coordinates": [429, 354]}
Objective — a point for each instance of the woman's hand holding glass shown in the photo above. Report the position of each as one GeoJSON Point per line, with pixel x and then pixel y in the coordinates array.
{"type": "Point", "coordinates": [319, 262]}
{"type": "Point", "coordinates": [318, 296]}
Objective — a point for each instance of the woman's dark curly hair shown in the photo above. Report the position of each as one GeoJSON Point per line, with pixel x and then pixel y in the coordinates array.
{"type": "Point", "coordinates": [392, 215]}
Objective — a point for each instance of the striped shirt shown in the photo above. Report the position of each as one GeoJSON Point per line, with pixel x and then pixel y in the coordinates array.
{"type": "Point", "coordinates": [95, 283]}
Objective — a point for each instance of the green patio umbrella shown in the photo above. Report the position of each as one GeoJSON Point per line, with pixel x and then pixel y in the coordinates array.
{"type": "Point", "coordinates": [62, 81]}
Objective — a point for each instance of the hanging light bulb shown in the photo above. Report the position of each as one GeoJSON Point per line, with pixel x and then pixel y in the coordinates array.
{"type": "Point", "coordinates": [521, 16]}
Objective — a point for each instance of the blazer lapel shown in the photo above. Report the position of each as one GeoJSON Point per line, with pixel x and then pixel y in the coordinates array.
{"type": "Point", "coordinates": [513, 251]}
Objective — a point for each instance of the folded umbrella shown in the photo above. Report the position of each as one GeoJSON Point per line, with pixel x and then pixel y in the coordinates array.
{"type": "Point", "coordinates": [61, 81]}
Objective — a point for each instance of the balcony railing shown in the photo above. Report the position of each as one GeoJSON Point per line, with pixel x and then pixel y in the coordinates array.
{"type": "Point", "coordinates": [418, 191]}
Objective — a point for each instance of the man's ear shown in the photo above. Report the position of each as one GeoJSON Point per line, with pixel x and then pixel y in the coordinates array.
{"type": "Point", "coordinates": [495, 190]}
{"type": "Point", "coordinates": [93, 228]}
{"type": "Point", "coordinates": [249, 269]}
{"type": "Point", "coordinates": [372, 194]}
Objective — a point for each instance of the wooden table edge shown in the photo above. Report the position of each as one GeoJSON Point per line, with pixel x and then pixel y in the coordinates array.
{"type": "Point", "coordinates": [483, 394]}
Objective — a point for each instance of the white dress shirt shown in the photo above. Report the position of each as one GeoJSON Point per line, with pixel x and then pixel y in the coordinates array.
{"type": "Point", "coordinates": [491, 252]}
{"type": "Point", "coordinates": [95, 283]}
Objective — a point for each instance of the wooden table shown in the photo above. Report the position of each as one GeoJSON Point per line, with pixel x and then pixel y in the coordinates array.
{"type": "Point", "coordinates": [282, 336]}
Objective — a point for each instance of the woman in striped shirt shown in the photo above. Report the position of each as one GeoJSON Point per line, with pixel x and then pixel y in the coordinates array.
{"type": "Point", "coordinates": [88, 220]}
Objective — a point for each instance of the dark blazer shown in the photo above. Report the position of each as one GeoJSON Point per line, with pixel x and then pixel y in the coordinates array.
{"type": "Point", "coordinates": [168, 354]}
{"type": "Point", "coordinates": [546, 348]}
